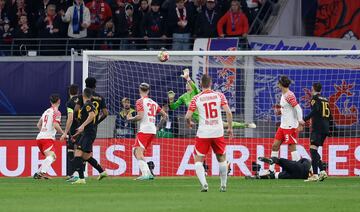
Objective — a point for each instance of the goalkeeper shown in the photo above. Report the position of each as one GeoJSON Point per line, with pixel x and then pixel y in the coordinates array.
{"type": "Point", "coordinates": [191, 91]}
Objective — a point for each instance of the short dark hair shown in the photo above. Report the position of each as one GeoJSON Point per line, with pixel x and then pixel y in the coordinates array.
{"type": "Point", "coordinates": [206, 81]}
{"type": "Point", "coordinates": [144, 87]}
{"type": "Point", "coordinates": [284, 81]}
{"type": "Point", "coordinates": [73, 89]}
{"type": "Point", "coordinates": [177, 1]}
{"type": "Point", "coordinates": [87, 93]}
{"type": "Point", "coordinates": [317, 86]}
{"type": "Point", "coordinates": [90, 82]}
{"type": "Point", "coordinates": [54, 98]}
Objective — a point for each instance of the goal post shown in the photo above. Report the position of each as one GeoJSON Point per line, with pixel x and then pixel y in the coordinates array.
{"type": "Point", "coordinates": [249, 81]}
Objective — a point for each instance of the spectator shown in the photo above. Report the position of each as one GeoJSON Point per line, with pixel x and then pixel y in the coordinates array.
{"type": "Point", "coordinates": [18, 10]}
{"type": "Point", "coordinates": [126, 26]}
{"type": "Point", "coordinates": [6, 36]}
{"type": "Point", "coordinates": [181, 20]}
{"type": "Point", "coordinates": [154, 26]}
{"type": "Point", "coordinates": [235, 22]}
{"type": "Point", "coordinates": [143, 9]}
{"type": "Point", "coordinates": [119, 7]}
{"type": "Point", "coordinates": [124, 128]}
{"type": "Point", "coordinates": [78, 17]}
{"type": "Point", "coordinates": [107, 32]}
{"type": "Point", "coordinates": [42, 7]}
{"type": "Point", "coordinates": [199, 5]}
{"type": "Point", "coordinates": [22, 30]}
{"type": "Point", "coordinates": [100, 13]}
{"type": "Point", "coordinates": [49, 23]}
{"type": "Point", "coordinates": [3, 14]}
{"type": "Point", "coordinates": [207, 21]}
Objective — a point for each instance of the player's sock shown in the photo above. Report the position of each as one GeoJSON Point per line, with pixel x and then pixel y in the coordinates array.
{"type": "Point", "coordinates": [238, 124]}
{"type": "Point", "coordinates": [223, 173]}
{"type": "Point", "coordinates": [144, 168]}
{"type": "Point", "coordinates": [315, 159]}
{"type": "Point", "coordinates": [46, 164]}
{"type": "Point", "coordinates": [273, 154]}
{"type": "Point", "coordinates": [78, 164]}
{"type": "Point", "coordinates": [295, 156]}
{"type": "Point", "coordinates": [95, 164]}
{"type": "Point", "coordinates": [200, 172]}
{"type": "Point", "coordinates": [321, 164]}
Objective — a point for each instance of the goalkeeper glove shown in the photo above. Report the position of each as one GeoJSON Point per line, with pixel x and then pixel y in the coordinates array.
{"type": "Point", "coordinates": [186, 74]}
{"type": "Point", "coordinates": [171, 95]}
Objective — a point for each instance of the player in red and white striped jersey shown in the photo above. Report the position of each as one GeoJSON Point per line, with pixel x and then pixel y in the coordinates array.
{"type": "Point", "coordinates": [48, 125]}
{"type": "Point", "coordinates": [291, 121]}
{"type": "Point", "coordinates": [146, 109]}
{"type": "Point", "coordinates": [211, 130]}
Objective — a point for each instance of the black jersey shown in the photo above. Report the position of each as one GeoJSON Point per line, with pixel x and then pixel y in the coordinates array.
{"type": "Point", "coordinates": [70, 107]}
{"type": "Point", "coordinates": [320, 114]}
{"type": "Point", "coordinates": [98, 101]}
{"type": "Point", "coordinates": [84, 113]}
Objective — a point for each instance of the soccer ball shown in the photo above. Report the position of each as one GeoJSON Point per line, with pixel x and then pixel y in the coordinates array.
{"type": "Point", "coordinates": [163, 56]}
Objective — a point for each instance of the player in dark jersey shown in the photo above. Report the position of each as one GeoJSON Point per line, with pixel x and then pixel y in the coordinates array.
{"type": "Point", "coordinates": [87, 132]}
{"type": "Point", "coordinates": [70, 128]}
{"type": "Point", "coordinates": [290, 169]}
{"type": "Point", "coordinates": [320, 116]}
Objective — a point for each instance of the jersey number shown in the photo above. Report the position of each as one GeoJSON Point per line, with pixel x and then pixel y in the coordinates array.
{"type": "Point", "coordinates": [210, 111]}
{"type": "Point", "coordinates": [45, 120]}
{"type": "Point", "coordinates": [152, 109]}
{"type": "Point", "coordinates": [325, 109]}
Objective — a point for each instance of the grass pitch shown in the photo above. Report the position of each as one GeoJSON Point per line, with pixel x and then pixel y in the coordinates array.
{"type": "Point", "coordinates": [179, 194]}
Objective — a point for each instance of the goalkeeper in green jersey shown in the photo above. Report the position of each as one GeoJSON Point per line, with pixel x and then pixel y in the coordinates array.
{"type": "Point", "coordinates": [191, 91]}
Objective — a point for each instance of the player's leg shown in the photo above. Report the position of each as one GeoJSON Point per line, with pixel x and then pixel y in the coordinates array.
{"type": "Point", "coordinates": [291, 137]}
{"type": "Point", "coordinates": [46, 147]}
{"type": "Point", "coordinates": [202, 146]}
{"type": "Point", "coordinates": [275, 152]}
{"type": "Point", "coordinates": [141, 142]}
{"type": "Point", "coordinates": [69, 157]}
{"type": "Point", "coordinates": [78, 166]}
{"type": "Point", "coordinates": [219, 147]}
{"type": "Point", "coordinates": [294, 153]}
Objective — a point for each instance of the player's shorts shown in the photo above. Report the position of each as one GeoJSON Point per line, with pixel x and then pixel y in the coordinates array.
{"type": "Point", "coordinates": [45, 145]}
{"type": "Point", "coordinates": [287, 136]}
{"type": "Point", "coordinates": [317, 139]}
{"type": "Point", "coordinates": [143, 140]}
{"type": "Point", "coordinates": [85, 142]}
{"type": "Point", "coordinates": [202, 146]}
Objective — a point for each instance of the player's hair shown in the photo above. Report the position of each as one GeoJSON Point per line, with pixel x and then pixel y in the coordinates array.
{"type": "Point", "coordinates": [317, 86]}
{"type": "Point", "coordinates": [206, 81]}
{"type": "Point", "coordinates": [87, 93]}
{"type": "Point", "coordinates": [144, 87]}
{"type": "Point", "coordinates": [284, 81]}
{"type": "Point", "coordinates": [90, 82]}
{"type": "Point", "coordinates": [73, 89]}
{"type": "Point", "coordinates": [177, 1]}
{"type": "Point", "coordinates": [54, 98]}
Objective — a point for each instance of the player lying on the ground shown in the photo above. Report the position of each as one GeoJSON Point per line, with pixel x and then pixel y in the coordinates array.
{"type": "Point", "coordinates": [320, 116]}
{"type": "Point", "coordinates": [48, 124]}
{"type": "Point", "coordinates": [290, 169]}
{"type": "Point", "coordinates": [146, 109]}
{"type": "Point", "coordinates": [191, 91]}
{"type": "Point", "coordinates": [210, 132]}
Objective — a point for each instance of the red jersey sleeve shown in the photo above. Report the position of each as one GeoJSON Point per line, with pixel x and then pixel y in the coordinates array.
{"type": "Point", "coordinates": [158, 109]}
{"type": "Point", "coordinates": [192, 106]}
{"type": "Point", "coordinates": [223, 99]}
{"type": "Point", "coordinates": [57, 117]}
{"type": "Point", "coordinates": [291, 99]}
{"type": "Point", "coordinates": [139, 105]}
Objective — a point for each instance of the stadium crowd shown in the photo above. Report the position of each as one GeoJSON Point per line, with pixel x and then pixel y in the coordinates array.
{"type": "Point", "coordinates": [149, 22]}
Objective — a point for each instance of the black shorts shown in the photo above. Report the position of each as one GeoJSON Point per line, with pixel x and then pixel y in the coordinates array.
{"type": "Point", "coordinates": [85, 142]}
{"type": "Point", "coordinates": [317, 139]}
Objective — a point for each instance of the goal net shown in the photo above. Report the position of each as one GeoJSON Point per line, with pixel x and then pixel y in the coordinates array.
{"type": "Point", "coordinates": [249, 81]}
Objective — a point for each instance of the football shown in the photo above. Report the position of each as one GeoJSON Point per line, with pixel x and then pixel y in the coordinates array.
{"type": "Point", "coordinates": [163, 56]}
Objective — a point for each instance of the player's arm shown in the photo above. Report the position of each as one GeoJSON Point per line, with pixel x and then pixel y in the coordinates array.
{"type": "Point", "coordinates": [138, 117]}
{"type": "Point", "coordinates": [195, 88]}
{"type": "Point", "coordinates": [177, 104]}
{"type": "Point", "coordinates": [189, 113]}
{"type": "Point", "coordinates": [69, 121]}
{"type": "Point", "coordinates": [39, 124]}
{"type": "Point", "coordinates": [291, 99]}
{"type": "Point", "coordinates": [89, 119]}
{"type": "Point", "coordinates": [58, 128]}
{"type": "Point", "coordinates": [314, 109]}
{"type": "Point", "coordinates": [104, 110]}
{"type": "Point", "coordinates": [229, 119]}
{"type": "Point", "coordinates": [186, 76]}
{"type": "Point", "coordinates": [56, 122]}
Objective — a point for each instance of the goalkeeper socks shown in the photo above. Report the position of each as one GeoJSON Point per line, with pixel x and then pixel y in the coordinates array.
{"type": "Point", "coordinates": [144, 168]}
{"type": "Point", "coordinates": [273, 154]}
{"type": "Point", "coordinates": [315, 159]}
{"type": "Point", "coordinates": [238, 124]}
{"type": "Point", "coordinates": [295, 156]}
{"type": "Point", "coordinates": [200, 172]}
{"type": "Point", "coordinates": [95, 164]}
{"type": "Point", "coordinates": [223, 173]}
{"type": "Point", "coordinates": [46, 164]}
{"type": "Point", "coordinates": [79, 167]}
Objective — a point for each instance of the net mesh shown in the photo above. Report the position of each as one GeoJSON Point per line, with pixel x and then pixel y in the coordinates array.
{"type": "Point", "coordinates": [250, 85]}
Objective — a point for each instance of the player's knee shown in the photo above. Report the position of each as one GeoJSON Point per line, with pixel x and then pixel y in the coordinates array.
{"type": "Point", "coordinates": [221, 158]}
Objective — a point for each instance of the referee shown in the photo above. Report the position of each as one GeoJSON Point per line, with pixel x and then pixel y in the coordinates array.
{"type": "Point", "coordinates": [320, 116]}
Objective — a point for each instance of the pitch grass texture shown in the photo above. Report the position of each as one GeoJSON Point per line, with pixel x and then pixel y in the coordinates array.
{"type": "Point", "coordinates": [179, 194]}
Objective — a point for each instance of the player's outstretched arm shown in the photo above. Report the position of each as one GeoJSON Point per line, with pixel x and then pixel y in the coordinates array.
{"type": "Point", "coordinates": [138, 117]}
{"type": "Point", "coordinates": [229, 119]}
{"type": "Point", "coordinates": [89, 119]}
{"type": "Point", "coordinates": [175, 105]}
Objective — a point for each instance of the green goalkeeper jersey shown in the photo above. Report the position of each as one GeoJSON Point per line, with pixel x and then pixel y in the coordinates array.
{"type": "Point", "coordinates": [186, 99]}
